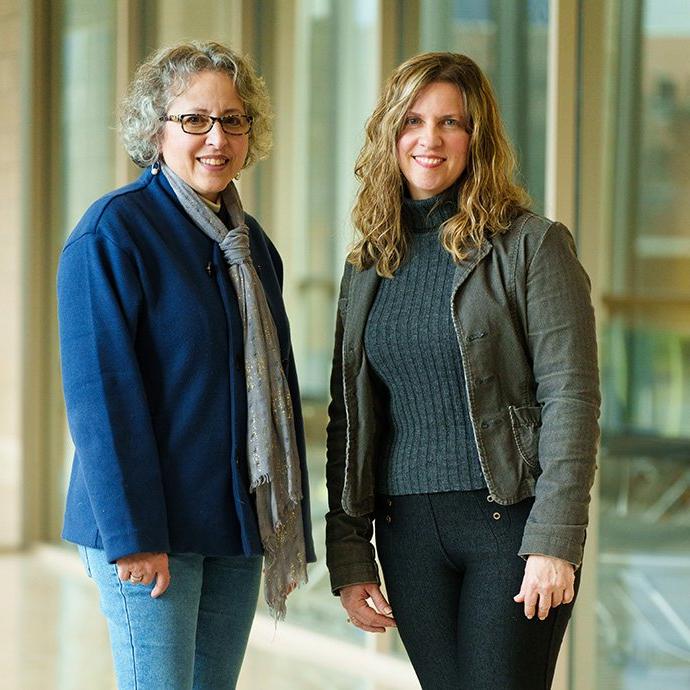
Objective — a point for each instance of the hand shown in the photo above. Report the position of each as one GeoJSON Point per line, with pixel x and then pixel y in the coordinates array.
{"type": "Point", "coordinates": [362, 614]}
{"type": "Point", "coordinates": [548, 582]}
{"type": "Point", "coordinates": [143, 568]}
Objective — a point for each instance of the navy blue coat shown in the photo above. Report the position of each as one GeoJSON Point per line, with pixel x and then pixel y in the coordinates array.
{"type": "Point", "coordinates": [153, 376]}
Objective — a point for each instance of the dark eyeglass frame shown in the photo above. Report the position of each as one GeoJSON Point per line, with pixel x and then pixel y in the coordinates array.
{"type": "Point", "coordinates": [223, 119]}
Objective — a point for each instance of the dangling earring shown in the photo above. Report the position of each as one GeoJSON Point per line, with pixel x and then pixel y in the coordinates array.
{"type": "Point", "coordinates": [155, 167]}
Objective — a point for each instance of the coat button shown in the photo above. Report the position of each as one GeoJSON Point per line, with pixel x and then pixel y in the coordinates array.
{"type": "Point", "coordinates": [490, 498]}
{"type": "Point", "coordinates": [497, 516]}
{"type": "Point", "coordinates": [389, 502]}
{"type": "Point", "coordinates": [389, 519]}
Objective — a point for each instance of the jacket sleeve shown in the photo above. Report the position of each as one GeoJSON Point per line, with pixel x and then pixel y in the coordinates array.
{"type": "Point", "coordinates": [561, 337]}
{"type": "Point", "coordinates": [349, 552]}
{"type": "Point", "coordinates": [99, 303]}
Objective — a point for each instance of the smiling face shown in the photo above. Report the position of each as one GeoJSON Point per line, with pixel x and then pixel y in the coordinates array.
{"type": "Point", "coordinates": [433, 143]}
{"type": "Point", "coordinates": [206, 162]}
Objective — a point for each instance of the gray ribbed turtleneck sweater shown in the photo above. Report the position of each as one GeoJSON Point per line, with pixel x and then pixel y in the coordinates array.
{"type": "Point", "coordinates": [411, 345]}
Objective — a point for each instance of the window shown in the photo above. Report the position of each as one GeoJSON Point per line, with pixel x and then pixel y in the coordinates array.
{"type": "Point", "coordinates": [644, 555]}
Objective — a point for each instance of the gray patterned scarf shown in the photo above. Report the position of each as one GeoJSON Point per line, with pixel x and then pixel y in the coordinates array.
{"type": "Point", "coordinates": [273, 459]}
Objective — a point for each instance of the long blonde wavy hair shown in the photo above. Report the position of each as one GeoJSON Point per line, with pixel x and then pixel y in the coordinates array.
{"type": "Point", "coordinates": [488, 197]}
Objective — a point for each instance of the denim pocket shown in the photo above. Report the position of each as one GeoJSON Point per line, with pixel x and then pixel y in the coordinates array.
{"type": "Point", "coordinates": [525, 423]}
{"type": "Point", "coordinates": [84, 556]}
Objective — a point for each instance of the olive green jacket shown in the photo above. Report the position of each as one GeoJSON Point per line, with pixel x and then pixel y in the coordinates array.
{"type": "Point", "coordinates": [525, 332]}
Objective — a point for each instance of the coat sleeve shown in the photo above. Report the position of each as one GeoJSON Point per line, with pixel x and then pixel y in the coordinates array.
{"type": "Point", "coordinates": [562, 342]}
{"type": "Point", "coordinates": [99, 303]}
{"type": "Point", "coordinates": [349, 552]}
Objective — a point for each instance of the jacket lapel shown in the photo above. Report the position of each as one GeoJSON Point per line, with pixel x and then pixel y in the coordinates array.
{"type": "Point", "coordinates": [363, 287]}
{"type": "Point", "coordinates": [463, 270]}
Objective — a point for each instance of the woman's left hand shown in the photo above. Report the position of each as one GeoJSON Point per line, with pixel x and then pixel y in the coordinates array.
{"type": "Point", "coordinates": [548, 582]}
{"type": "Point", "coordinates": [145, 567]}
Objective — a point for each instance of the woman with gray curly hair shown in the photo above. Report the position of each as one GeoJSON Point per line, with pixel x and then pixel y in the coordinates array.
{"type": "Point", "coordinates": [189, 469]}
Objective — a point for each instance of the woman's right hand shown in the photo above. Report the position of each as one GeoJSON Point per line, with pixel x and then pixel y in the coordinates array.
{"type": "Point", "coordinates": [143, 568]}
{"type": "Point", "coordinates": [354, 599]}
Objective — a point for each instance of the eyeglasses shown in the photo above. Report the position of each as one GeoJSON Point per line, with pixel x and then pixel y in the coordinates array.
{"type": "Point", "coordinates": [195, 123]}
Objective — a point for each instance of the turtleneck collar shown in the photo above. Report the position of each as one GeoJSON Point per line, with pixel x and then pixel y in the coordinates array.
{"type": "Point", "coordinates": [425, 215]}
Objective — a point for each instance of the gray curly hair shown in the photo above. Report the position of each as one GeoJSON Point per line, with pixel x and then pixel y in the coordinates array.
{"type": "Point", "coordinates": [165, 74]}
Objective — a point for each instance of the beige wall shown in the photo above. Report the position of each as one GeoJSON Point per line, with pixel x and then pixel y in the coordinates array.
{"type": "Point", "coordinates": [10, 271]}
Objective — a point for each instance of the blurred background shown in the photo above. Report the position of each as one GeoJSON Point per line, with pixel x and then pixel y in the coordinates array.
{"type": "Point", "coordinates": [596, 97]}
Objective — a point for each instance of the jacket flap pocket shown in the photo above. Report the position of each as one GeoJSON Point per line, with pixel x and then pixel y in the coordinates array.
{"type": "Point", "coordinates": [526, 416]}
{"type": "Point", "coordinates": [525, 423]}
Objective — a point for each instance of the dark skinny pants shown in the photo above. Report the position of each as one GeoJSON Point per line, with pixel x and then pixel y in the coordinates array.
{"type": "Point", "coordinates": [451, 569]}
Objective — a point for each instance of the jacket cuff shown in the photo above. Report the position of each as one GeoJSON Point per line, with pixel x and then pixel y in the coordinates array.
{"type": "Point", "coordinates": [353, 574]}
{"type": "Point", "coordinates": [561, 541]}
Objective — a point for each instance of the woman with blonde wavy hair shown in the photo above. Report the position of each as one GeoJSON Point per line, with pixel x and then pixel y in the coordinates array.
{"type": "Point", "coordinates": [463, 422]}
{"type": "Point", "coordinates": [189, 470]}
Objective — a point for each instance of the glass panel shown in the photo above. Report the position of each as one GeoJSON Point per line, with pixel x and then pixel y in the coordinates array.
{"type": "Point", "coordinates": [86, 142]}
{"type": "Point", "coordinates": [643, 603]}
{"type": "Point", "coordinates": [509, 42]}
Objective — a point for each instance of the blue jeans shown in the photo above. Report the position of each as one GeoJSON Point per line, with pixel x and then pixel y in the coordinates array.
{"type": "Point", "coordinates": [193, 636]}
{"type": "Point", "coordinates": [451, 568]}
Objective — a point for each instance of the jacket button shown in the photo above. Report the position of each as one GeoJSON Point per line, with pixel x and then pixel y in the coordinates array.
{"type": "Point", "coordinates": [490, 498]}
{"type": "Point", "coordinates": [389, 519]}
{"type": "Point", "coordinates": [389, 502]}
{"type": "Point", "coordinates": [496, 516]}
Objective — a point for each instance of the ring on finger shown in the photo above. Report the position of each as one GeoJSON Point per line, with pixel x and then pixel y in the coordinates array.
{"type": "Point", "coordinates": [136, 578]}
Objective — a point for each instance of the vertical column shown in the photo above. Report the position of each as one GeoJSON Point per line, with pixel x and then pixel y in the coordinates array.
{"type": "Point", "coordinates": [39, 79]}
{"type": "Point", "coordinates": [11, 91]}
{"type": "Point", "coordinates": [560, 185]}
{"type": "Point", "coordinates": [589, 209]}
{"type": "Point", "coordinates": [627, 143]}
{"type": "Point", "coordinates": [129, 51]}
{"type": "Point", "coordinates": [561, 120]}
